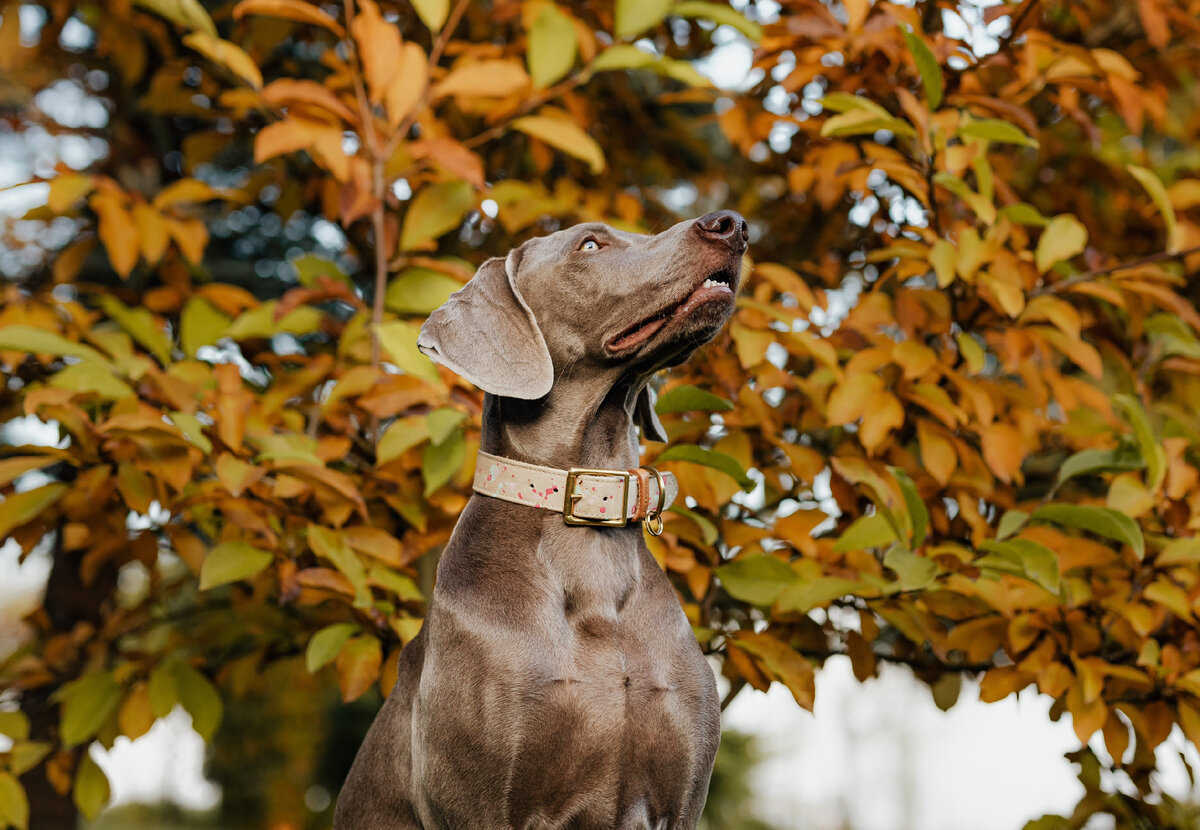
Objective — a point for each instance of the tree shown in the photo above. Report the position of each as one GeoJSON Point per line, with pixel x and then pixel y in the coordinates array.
{"type": "Point", "coordinates": [951, 426]}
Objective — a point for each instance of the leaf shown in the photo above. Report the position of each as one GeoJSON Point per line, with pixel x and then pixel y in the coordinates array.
{"type": "Point", "coordinates": [22, 508]}
{"type": "Point", "coordinates": [784, 663]}
{"type": "Point", "coordinates": [1179, 552]}
{"type": "Point", "coordinates": [690, 398]}
{"type": "Point", "coordinates": [918, 513]}
{"type": "Point", "coordinates": [483, 79]}
{"type": "Point", "coordinates": [623, 56]}
{"type": "Point", "coordinates": [912, 571]}
{"type": "Point", "coordinates": [804, 596]}
{"type": "Point", "coordinates": [379, 45]}
{"type": "Point", "coordinates": [399, 584]}
{"type": "Point", "coordinates": [141, 325]}
{"type": "Point", "coordinates": [178, 682]}
{"type": "Point", "coordinates": [200, 324]}
{"type": "Point", "coordinates": [67, 189]}
{"type": "Point", "coordinates": [332, 546]}
{"type": "Point", "coordinates": [192, 429]}
{"type": "Point", "coordinates": [87, 704]}
{"type": "Point", "coordinates": [14, 805]}
{"type": "Point", "coordinates": [322, 141]}
{"type": "Point", "coordinates": [756, 579]}
{"type": "Point", "coordinates": [551, 50]}
{"type": "Point", "coordinates": [1036, 561]}
{"type": "Point", "coordinates": [358, 666]}
{"type": "Point", "coordinates": [401, 435]}
{"type": "Point", "coordinates": [91, 377]}
{"type": "Point", "coordinates": [636, 16]}
{"type": "Point", "coordinates": [865, 532]}
{"type": "Point", "coordinates": [30, 340]}
{"type": "Point", "coordinates": [1063, 237]}
{"type": "Point", "coordinates": [722, 15]}
{"type": "Point", "coordinates": [927, 65]}
{"type": "Point", "coordinates": [943, 256]}
{"type": "Point", "coordinates": [90, 791]}
{"type": "Point", "coordinates": [443, 423]}
{"type": "Point", "coordinates": [399, 343]}
{"type": "Point", "coordinates": [189, 14]}
{"type": "Point", "coordinates": [297, 10]}
{"type": "Point", "coordinates": [14, 725]}
{"type": "Point", "coordinates": [1151, 450]}
{"type": "Point", "coordinates": [419, 291]}
{"type": "Point", "coordinates": [326, 644]}
{"type": "Point", "coordinates": [441, 461]}
{"type": "Point", "coordinates": [1090, 462]}
{"type": "Point", "coordinates": [1153, 185]}
{"type": "Point", "coordinates": [864, 122]}
{"type": "Point", "coordinates": [436, 210]}
{"type": "Point", "coordinates": [433, 13]}
{"type": "Point", "coordinates": [1010, 523]}
{"type": "Point", "coordinates": [993, 129]}
{"type": "Point", "coordinates": [716, 459]}
{"type": "Point", "coordinates": [563, 135]}
{"type": "Point", "coordinates": [408, 84]}
{"type": "Point", "coordinates": [232, 561]}
{"type": "Point", "coordinates": [229, 55]}
{"type": "Point", "coordinates": [288, 92]}
{"type": "Point", "coordinates": [117, 231]}
{"type": "Point", "coordinates": [1099, 520]}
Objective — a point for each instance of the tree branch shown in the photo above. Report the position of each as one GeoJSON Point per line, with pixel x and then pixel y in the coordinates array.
{"type": "Point", "coordinates": [1070, 282]}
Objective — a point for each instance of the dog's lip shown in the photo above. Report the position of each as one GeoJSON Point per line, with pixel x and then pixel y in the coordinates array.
{"type": "Point", "coordinates": [723, 282]}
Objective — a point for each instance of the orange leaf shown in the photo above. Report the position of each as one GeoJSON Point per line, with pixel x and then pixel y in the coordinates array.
{"type": "Point", "coordinates": [379, 44]}
{"type": "Point", "coordinates": [937, 452]}
{"type": "Point", "coordinates": [289, 92]}
{"type": "Point", "coordinates": [408, 85]}
{"type": "Point", "coordinates": [453, 156]}
{"type": "Point", "coordinates": [883, 414]}
{"type": "Point", "coordinates": [358, 666]}
{"type": "Point", "coordinates": [322, 141]}
{"type": "Point", "coordinates": [485, 79]}
{"type": "Point", "coordinates": [229, 55]}
{"type": "Point", "coordinates": [117, 231]}
{"type": "Point", "coordinates": [289, 10]}
{"type": "Point", "coordinates": [192, 236]}
{"type": "Point", "coordinates": [1003, 451]}
{"type": "Point", "coordinates": [152, 229]}
{"type": "Point", "coordinates": [849, 398]}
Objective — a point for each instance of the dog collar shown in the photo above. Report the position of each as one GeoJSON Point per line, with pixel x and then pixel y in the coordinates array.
{"type": "Point", "coordinates": [609, 498]}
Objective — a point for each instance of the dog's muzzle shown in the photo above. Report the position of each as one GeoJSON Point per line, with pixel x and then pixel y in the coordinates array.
{"type": "Point", "coordinates": [597, 498]}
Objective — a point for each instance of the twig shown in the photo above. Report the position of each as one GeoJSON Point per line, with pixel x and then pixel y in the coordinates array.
{"type": "Point", "coordinates": [1070, 282]}
{"type": "Point", "coordinates": [548, 94]}
{"type": "Point", "coordinates": [1017, 20]}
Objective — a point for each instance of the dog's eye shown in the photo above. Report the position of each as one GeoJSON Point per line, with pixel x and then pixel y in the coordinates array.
{"type": "Point", "coordinates": [589, 245]}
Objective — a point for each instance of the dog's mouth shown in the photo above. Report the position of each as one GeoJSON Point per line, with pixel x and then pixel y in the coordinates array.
{"type": "Point", "coordinates": [719, 285]}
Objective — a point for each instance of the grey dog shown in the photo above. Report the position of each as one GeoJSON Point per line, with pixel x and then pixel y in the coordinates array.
{"type": "Point", "coordinates": [556, 682]}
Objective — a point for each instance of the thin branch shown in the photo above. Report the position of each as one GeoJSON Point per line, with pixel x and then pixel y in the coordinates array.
{"type": "Point", "coordinates": [1071, 282]}
{"type": "Point", "coordinates": [1017, 20]}
{"type": "Point", "coordinates": [735, 686]}
{"type": "Point", "coordinates": [529, 106]}
{"type": "Point", "coordinates": [381, 259]}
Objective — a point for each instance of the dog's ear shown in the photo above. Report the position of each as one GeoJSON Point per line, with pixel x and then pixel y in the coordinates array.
{"type": "Point", "coordinates": [645, 416]}
{"type": "Point", "coordinates": [487, 333]}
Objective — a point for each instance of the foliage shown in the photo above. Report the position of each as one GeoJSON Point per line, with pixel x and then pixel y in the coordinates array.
{"type": "Point", "coordinates": [962, 374]}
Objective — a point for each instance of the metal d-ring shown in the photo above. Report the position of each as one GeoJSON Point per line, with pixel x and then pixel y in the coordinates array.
{"type": "Point", "coordinates": [654, 520]}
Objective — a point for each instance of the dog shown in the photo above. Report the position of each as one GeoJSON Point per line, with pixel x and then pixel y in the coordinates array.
{"type": "Point", "coordinates": [556, 682]}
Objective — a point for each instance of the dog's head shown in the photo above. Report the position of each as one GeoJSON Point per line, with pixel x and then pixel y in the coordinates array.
{"type": "Point", "coordinates": [593, 296]}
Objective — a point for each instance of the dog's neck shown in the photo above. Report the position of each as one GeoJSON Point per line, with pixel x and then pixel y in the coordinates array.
{"type": "Point", "coordinates": [581, 423]}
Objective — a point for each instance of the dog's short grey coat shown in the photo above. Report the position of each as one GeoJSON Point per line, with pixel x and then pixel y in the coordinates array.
{"type": "Point", "coordinates": [556, 682]}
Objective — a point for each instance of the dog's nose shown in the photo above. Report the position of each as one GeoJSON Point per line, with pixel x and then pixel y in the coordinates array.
{"type": "Point", "coordinates": [726, 226]}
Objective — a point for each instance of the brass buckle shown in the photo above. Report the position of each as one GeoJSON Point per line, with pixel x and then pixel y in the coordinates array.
{"type": "Point", "coordinates": [570, 497]}
{"type": "Point", "coordinates": [654, 519]}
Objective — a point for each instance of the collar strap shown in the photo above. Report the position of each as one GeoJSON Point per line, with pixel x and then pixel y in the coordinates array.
{"type": "Point", "coordinates": [584, 496]}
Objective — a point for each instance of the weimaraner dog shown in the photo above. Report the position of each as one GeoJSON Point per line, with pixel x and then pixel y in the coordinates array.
{"type": "Point", "coordinates": [556, 682]}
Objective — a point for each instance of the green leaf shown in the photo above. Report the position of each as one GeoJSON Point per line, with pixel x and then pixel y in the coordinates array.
{"type": "Point", "coordinates": [1024, 213]}
{"type": "Point", "coordinates": [1090, 462]}
{"type": "Point", "coordinates": [399, 584]}
{"type": "Point", "coordinates": [1179, 552]}
{"type": "Point", "coordinates": [178, 682]}
{"type": "Point", "coordinates": [200, 324]}
{"type": "Point", "coordinates": [845, 102]}
{"type": "Point", "coordinates": [1036, 561]}
{"type": "Point", "coordinates": [14, 805]}
{"type": "Point", "coordinates": [192, 429]}
{"type": "Point", "coordinates": [401, 434]}
{"type": "Point", "coordinates": [331, 545]}
{"type": "Point", "coordinates": [398, 340]}
{"type": "Point", "coordinates": [326, 643]}
{"type": "Point", "coordinates": [139, 324]}
{"type": "Point", "coordinates": [14, 725]}
{"type": "Point", "coordinates": [443, 422]}
{"type": "Point", "coordinates": [691, 399]}
{"type": "Point", "coordinates": [87, 704]}
{"type": "Point", "coordinates": [163, 693]}
{"type": "Point", "coordinates": [189, 14]}
{"type": "Point", "coordinates": [311, 267]}
{"type": "Point", "coordinates": [708, 530]}
{"type": "Point", "coordinates": [1063, 237]}
{"type": "Point", "coordinates": [441, 461]}
{"type": "Point", "coordinates": [1102, 521]}
{"type": "Point", "coordinates": [636, 16]}
{"type": "Point", "coordinates": [1151, 450]}
{"type": "Point", "coordinates": [21, 508]}
{"type": "Point", "coordinates": [756, 579]}
{"type": "Point", "coordinates": [727, 464]}
{"type": "Point", "coordinates": [419, 291]}
{"type": "Point", "coordinates": [912, 571]}
{"type": "Point", "coordinates": [1010, 523]}
{"type": "Point", "coordinates": [918, 513]}
{"type": "Point", "coordinates": [433, 13]}
{"type": "Point", "coordinates": [232, 561]}
{"type": "Point", "coordinates": [436, 210]}
{"type": "Point", "coordinates": [551, 50]}
{"type": "Point", "coordinates": [865, 122]}
{"type": "Point", "coordinates": [30, 340]}
{"type": "Point", "coordinates": [623, 56]}
{"type": "Point", "coordinates": [865, 532]}
{"type": "Point", "coordinates": [260, 322]}
{"type": "Point", "coordinates": [993, 129]}
{"type": "Point", "coordinates": [91, 377]}
{"type": "Point", "coordinates": [927, 65]}
{"type": "Point", "coordinates": [805, 596]}
{"type": "Point", "coordinates": [90, 790]}
{"type": "Point", "coordinates": [721, 15]}
{"type": "Point", "coordinates": [26, 755]}
{"type": "Point", "coordinates": [985, 209]}
{"type": "Point", "coordinates": [1153, 185]}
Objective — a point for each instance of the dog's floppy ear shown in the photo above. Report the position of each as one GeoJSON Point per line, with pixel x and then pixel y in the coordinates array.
{"type": "Point", "coordinates": [645, 416]}
{"type": "Point", "coordinates": [487, 333]}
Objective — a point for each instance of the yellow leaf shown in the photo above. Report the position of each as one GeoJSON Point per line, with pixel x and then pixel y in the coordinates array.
{"type": "Point", "coordinates": [289, 10]}
{"type": "Point", "coordinates": [21, 508]}
{"type": "Point", "coordinates": [484, 79]}
{"type": "Point", "coordinates": [152, 230]}
{"type": "Point", "coordinates": [408, 85]}
{"type": "Point", "coordinates": [136, 715]}
{"type": "Point", "coordinates": [1158, 193]}
{"type": "Point", "coordinates": [882, 414]}
{"type": "Point", "coordinates": [322, 141]}
{"type": "Point", "coordinates": [782, 663]}
{"type": "Point", "coordinates": [437, 209]}
{"type": "Point", "coordinates": [358, 666]}
{"type": "Point", "coordinates": [943, 256]}
{"type": "Point", "coordinates": [937, 452]}
{"type": "Point", "coordinates": [185, 191]}
{"type": "Point", "coordinates": [66, 190]}
{"type": "Point", "coordinates": [399, 342]}
{"type": "Point", "coordinates": [1003, 451]}
{"type": "Point", "coordinates": [433, 13]}
{"type": "Point", "coordinates": [379, 44]}
{"type": "Point", "coordinates": [636, 16]}
{"type": "Point", "coordinates": [187, 13]}
{"type": "Point", "coordinates": [1062, 238]}
{"type": "Point", "coordinates": [192, 236]}
{"type": "Point", "coordinates": [850, 397]}
{"type": "Point", "coordinates": [288, 92]}
{"type": "Point", "coordinates": [14, 805]}
{"type": "Point", "coordinates": [228, 55]}
{"type": "Point", "coordinates": [564, 135]}
{"type": "Point", "coordinates": [117, 231]}
{"type": "Point", "coordinates": [551, 50]}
